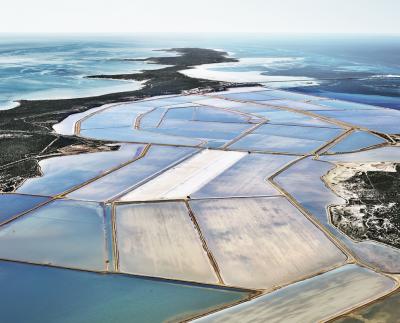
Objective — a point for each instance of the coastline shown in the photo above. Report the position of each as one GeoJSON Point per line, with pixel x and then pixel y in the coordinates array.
{"type": "Point", "coordinates": [27, 133]}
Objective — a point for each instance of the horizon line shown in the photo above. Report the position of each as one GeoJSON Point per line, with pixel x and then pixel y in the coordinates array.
{"type": "Point", "coordinates": [193, 32]}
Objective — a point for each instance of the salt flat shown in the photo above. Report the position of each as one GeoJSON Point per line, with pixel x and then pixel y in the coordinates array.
{"type": "Point", "coordinates": [223, 190]}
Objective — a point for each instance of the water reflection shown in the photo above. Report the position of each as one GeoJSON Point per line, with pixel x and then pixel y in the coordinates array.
{"type": "Point", "coordinates": [125, 178]}
{"type": "Point", "coordinates": [63, 173]}
{"type": "Point", "coordinates": [263, 242]}
{"type": "Point", "coordinates": [386, 310]}
{"type": "Point", "coordinates": [48, 295]}
{"type": "Point", "coordinates": [160, 239]}
{"type": "Point", "coordinates": [63, 233]}
{"type": "Point", "coordinates": [14, 204]}
{"type": "Point", "coordinates": [303, 181]}
{"type": "Point", "coordinates": [312, 300]}
{"type": "Point", "coordinates": [355, 141]}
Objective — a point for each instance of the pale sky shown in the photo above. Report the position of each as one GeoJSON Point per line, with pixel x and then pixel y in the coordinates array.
{"type": "Point", "coordinates": [269, 16]}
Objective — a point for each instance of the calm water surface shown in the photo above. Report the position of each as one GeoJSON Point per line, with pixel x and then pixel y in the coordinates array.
{"type": "Point", "coordinates": [358, 68]}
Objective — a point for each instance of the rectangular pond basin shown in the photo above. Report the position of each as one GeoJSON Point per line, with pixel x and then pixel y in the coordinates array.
{"type": "Point", "coordinates": [379, 120]}
{"type": "Point", "coordinates": [247, 177]}
{"type": "Point", "coordinates": [233, 105]}
{"type": "Point", "coordinates": [163, 101]}
{"type": "Point", "coordinates": [152, 118]}
{"type": "Point", "coordinates": [48, 295]}
{"type": "Point", "coordinates": [303, 182]}
{"type": "Point", "coordinates": [303, 106]}
{"type": "Point", "coordinates": [384, 154]}
{"type": "Point", "coordinates": [271, 143]}
{"type": "Point", "coordinates": [386, 310]}
{"type": "Point", "coordinates": [160, 239]}
{"type": "Point", "coordinates": [187, 177]}
{"type": "Point", "coordinates": [251, 96]}
{"type": "Point", "coordinates": [292, 118]}
{"type": "Point", "coordinates": [155, 117]}
{"type": "Point", "coordinates": [209, 114]}
{"type": "Point", "coordinates": [263, 242]}
{"type": "Point", "coordinates": [62, 233]}
{"type": "Point", "coordinates": [157, 158]}
{"type": "Point", "coordinates": [181, 113]}
{"type": "Point", "coordinates": [67, 125]}
{"type": "Point", "coordinates": [12, 205]}
{"type": "Point", "coordinates": [128, 134]}
{"type": "Point", "coordinates": [63, 173]}
{"type": "Point", "coordinates": [312, 300]}
{"type": "Point", "coordinates": [122, 115]}
{"type": "Point", "coordinates": [202, 130]}
{"type": "Point", "coordinates": [355, 141]}
{"type": "Point", "coordinates": [298, 132]}
{"type": "Point", "coordinates": [346, 105]}
{"type": "Point", "coordinates": [286, 138]}
{"type": "Point", "coordinates": [295, 96]}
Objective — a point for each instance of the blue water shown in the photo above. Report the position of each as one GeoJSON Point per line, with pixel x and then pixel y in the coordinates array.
{"type": "Point", "coordinates": [38, 294]}
{"type": "Point", "coordinates": [42, 66]}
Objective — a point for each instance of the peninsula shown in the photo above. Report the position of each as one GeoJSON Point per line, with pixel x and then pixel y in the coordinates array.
{"type": "Point", "coordinates": [26, 131]}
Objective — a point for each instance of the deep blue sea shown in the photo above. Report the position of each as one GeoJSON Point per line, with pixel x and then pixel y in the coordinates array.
{"type": "Point", "coordinates": [358, 68]}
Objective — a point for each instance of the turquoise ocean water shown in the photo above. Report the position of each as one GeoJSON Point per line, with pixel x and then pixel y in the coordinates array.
{"type": "Point", "coordinates": [358, 68]}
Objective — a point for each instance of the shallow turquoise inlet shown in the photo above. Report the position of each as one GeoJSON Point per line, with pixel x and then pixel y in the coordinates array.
{"type": "Point", "coordinates": [48, 295]}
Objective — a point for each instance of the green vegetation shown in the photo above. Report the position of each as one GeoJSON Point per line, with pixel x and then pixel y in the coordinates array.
{"type": "Point", "coordinates": [373, 213]}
